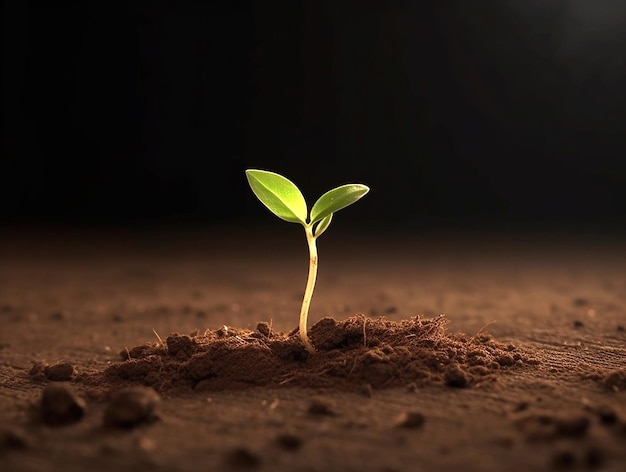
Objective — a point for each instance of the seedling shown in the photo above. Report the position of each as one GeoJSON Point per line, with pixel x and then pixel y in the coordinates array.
{"type": "Point", "coordinates": [284, 199]}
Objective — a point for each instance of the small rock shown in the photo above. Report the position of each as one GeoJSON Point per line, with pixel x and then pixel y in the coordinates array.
{"type": "Point", "coordinates": [289, 441]}
{"type": "Point", "coordinates": [59, 372]}
{"type": "Point", "coordinates": [580, 301]}
{"type": "Point", "coordinates": [621, 328]}
{"type": "Point", "coordinates": [321, 407]}
{"type": "Point", "coordinates": [578, 324]}
{"type": "Point", "coordinates": [60, 405]}
{"type": "Point", "coordinates": [410, 420]}
{"type": "Point", "coordinates": [132, 406]}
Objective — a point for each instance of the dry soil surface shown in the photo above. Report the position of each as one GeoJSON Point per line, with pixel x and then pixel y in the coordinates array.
{"type": "Point", "coordinates": [176, 350]}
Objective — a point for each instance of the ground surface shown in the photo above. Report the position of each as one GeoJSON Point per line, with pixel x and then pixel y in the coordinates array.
{"type": "Point", "coordinates": [556, 306]}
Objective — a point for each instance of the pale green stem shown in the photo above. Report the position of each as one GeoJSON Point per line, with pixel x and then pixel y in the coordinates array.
{"type": "Point", "coordinates": [310, 285]}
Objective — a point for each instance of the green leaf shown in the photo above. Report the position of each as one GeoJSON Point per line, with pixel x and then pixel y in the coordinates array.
{"type": "Point", "coordinates": [279, 194]}
{"type": "Point", "coordinates": [336, 199]}
{"type": "Point", "coordinates": [323, 225]}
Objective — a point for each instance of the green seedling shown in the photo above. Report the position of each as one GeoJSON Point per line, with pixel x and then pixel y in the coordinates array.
{"type": "Point", "coordinates": [284, 199]}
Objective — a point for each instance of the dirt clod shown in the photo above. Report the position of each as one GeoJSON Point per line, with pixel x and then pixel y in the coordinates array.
{"type": "Point", "coordinates": [563, 459]}
{"type": "Point", "coordinates": [594, 457]}
{"type": "Point", "coordinates": [60, 405]}
{"type": "Point", "coordinates": [243, 458]}
{"type": "Point", "coordinates": [180, 346]}
{"type": "Point", "coordinates": [615, 380]}
{"type": "Point", "coordinates": [411, 420]}
{"type": "Point", "coordinates": [456, 377]}
{"type": "Point", "coordinates": [321, 407]}
{"type": "Point", "coordinates": [289, 441]}
{"type": "Point", "coordinates": [11, 438]}
{"type": "Point", "coordinates": [573, 426]}
{"type": "Point", "coordinates": [131, 407]}
{"type": "Point", "coordinates": [60, 372]}
{"type": "Point", "coordinates": [264, 329]}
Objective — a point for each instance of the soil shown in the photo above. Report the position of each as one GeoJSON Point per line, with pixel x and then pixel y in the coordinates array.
{"type": "Point", "coordinates": [176, 350]}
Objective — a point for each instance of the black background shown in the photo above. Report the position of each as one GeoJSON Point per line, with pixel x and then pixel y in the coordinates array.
{"type": "Point", "coordinates": [484, 113]}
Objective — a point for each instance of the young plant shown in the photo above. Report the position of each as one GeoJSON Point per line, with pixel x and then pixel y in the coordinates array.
{"type": "Point", "coordinates": [284, 199]}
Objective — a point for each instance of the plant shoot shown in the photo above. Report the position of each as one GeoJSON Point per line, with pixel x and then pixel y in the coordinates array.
{"type": "Point", "coordinates": [284, 199]}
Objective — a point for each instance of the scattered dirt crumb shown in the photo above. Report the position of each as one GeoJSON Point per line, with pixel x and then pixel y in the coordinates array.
{"type": "Point", "coordinates": [131, 406]}
{"type": "Point", "coordinates": [543, 426]}
{"type": "Point", "coordinates": [410, 420]}
{"type": "Point", "coordinates": [580, 301]}
{"type": "Point", "coordinates": [456, 377]}
{"type": "Point", "coordinates": [242, 458]}
{"type": "Point", "coordinates": [322, 407]}
{"type": "Point", "coordinates": [563, 458]}
{"type": "Point", "coordinates": [11, 438]}
{"type": "Point", "coordinates": [59, 372]}
{"type": "Point", "coordinates": [615, 380]}
{"type": "Point", "coordinates": [595, 457]}
{"type": "Point", "coordinates": [60, 405]}
{"type": "Point", "coordinates": [289, 441]}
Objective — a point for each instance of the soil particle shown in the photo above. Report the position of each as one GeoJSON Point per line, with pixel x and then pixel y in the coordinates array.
{"type": "Point", "coordinates": [607, 415]}
{"type": "Point", "coordinates": [615, 380]}
{"type": "Point", "coordinates": [264, 329]}
{"type": "Point", "coordinates": [325, 335]}
{"type": "Point", "coordinates": [131, 407]}
{"type": "Point", "coordinates": [410, 420]}
{"type": "Point", "coordinates": [563, 459]}
{"type": "Point", "coordinates": [574, 426]}
{"type": "Point", "coordinates": [180, 346]}
{"type": "Point", "coordinates": [580, 302]}
{"type": "Point", "coordinates": [289, 441]}
{"type": "Point", "coordinates": [594, 457]}
{"type": "Point", "coordinates": [321, 407]}
{"type": "Point", "coordinates": [60, 405]}
{"type": "Point", "coordinates": [543, 426]}
{"type": "Point", "coordinates": [521, 406]}
{"type": "Point", "coordinates": [60, 372]}
{"type": "Point", "coordinates": [11, 438]}
{"type": "Point", "coordinates": [456, 377]}
{"type": "Point", "coordinates": [243, 458]}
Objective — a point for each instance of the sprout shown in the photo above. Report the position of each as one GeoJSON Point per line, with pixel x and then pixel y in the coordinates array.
{"type": "Point", "coordinates": [284, 199]}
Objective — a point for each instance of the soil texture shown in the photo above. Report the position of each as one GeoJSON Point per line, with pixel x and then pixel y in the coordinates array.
{"type": "Point", "coordinates": [175, 350]}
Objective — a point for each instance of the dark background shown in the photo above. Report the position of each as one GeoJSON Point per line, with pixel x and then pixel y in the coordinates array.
{"type": "Point", "coordinates": [489, 113]}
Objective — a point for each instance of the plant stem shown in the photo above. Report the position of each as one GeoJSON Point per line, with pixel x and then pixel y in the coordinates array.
{"type": "Point", "coordinates": [310, 285]}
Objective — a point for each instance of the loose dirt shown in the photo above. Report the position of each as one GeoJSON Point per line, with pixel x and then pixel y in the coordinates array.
{"type": "Point", "coordinates": [127, 351]}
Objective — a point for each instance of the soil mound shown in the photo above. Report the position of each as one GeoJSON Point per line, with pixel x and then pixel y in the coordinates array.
{"type": "Point", "coordinates": [356, 353]}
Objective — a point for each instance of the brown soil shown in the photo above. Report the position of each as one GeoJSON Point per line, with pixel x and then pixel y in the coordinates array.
{"type": "Point", "coordinates": [355, 354]}
{"type": "Point", "coordinates": [96, 375]}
